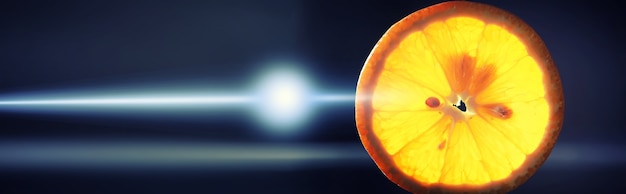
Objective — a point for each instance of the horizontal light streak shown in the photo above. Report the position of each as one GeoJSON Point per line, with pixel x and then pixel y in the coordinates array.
{"type": "Point", "coordinates": [218, 156]}
{"type": "Point", "coordinates": [135, 101]}
{"type": "Point", "coordinates": [335, 98]}
{"type": "Point", "coordinates": [103, 154]}
{"type": "Point", "coordinates": [188, 100]}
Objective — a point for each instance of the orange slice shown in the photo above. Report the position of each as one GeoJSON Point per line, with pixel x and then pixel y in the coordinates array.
{"type": "Point", "coordinates": [459, 97]}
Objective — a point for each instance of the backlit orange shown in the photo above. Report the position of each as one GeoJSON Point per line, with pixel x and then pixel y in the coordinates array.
{"type": "Point", "coordinates": [459, 97]}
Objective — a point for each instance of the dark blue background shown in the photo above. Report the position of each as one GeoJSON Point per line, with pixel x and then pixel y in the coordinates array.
{"type": "Point", "coordinates": [89, 44]}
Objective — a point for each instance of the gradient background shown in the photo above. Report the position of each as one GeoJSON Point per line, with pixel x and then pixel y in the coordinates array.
{"type": "Point", "coordinates": [116, 46]}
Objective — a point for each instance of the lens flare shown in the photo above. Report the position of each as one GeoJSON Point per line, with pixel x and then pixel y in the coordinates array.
{"type": "Point", "coordinates": [282, 100]}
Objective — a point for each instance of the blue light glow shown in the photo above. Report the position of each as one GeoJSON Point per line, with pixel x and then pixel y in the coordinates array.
{"type": "Point", "coordinates": [132, 101]}
{"type": "Point", "coordinates": [282, 100]}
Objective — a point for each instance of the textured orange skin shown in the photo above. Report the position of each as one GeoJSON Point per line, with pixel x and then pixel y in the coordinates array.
{"type": "Point", "coordinates": [375, 64]}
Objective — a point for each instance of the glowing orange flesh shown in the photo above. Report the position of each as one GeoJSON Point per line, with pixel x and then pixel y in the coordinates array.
{"type": "Point", "coordinates": [459, 96]}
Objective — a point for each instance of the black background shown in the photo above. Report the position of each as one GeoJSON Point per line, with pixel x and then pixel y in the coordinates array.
{"type": "Point", "coordinates": [219, 44]}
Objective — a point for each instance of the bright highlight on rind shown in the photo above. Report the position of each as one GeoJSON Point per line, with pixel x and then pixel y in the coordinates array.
{"type": "Point", "coordinates": [501, 107]}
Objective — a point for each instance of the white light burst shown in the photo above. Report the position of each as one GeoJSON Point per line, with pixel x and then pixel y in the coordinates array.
{"type": "Point", "coordinates": [284, 100]}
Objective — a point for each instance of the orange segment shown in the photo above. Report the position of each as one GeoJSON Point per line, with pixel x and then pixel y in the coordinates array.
{"type": "Point", "coordinates": [459, 97]}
